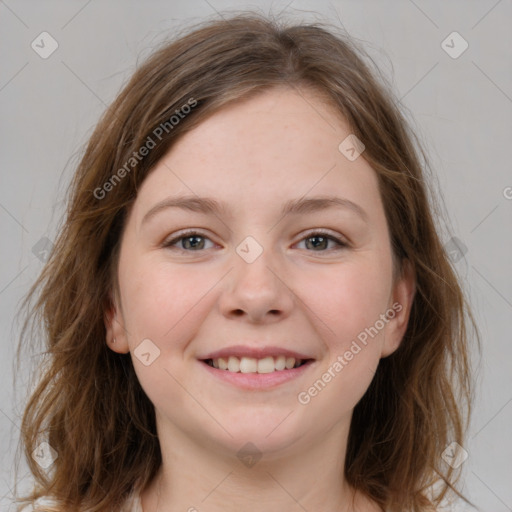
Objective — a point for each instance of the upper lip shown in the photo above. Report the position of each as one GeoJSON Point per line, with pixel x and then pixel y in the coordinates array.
{"type": "Point", "coordinates": [254, 352]}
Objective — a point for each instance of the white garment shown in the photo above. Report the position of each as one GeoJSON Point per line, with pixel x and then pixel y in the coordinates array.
{"type": "Point", "coordinates": [133, 503]}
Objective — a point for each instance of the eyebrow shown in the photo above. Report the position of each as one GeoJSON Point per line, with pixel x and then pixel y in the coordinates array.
{"type": "Point", "coordinates": [299, 206]}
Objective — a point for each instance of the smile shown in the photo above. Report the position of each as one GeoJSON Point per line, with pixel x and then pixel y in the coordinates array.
{"type": "Point", "coordinates": [252, 374]}
{"type": "Point", "coordinates": [267, 364]}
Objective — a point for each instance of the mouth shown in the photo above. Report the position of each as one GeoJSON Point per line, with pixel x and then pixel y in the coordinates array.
{"type": "Point", "coordinates": [256, 368]}
{"type": "Point", "coordinates": [252, 374]}
{"type": "Point", "coordinates": [263, 365]}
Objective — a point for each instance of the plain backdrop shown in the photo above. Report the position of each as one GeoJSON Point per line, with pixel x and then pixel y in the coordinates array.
{"type": "Point", "coordinates": [460, 106]}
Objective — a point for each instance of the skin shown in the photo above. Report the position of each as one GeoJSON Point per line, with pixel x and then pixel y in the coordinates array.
{"type": "Point", "coordinates": [254, 156]}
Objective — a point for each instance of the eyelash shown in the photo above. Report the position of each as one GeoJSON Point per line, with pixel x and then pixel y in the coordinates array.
{"type": "Point", "coordinates": [190, 233]}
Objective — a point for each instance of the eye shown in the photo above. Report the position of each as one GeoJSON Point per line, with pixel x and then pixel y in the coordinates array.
{"type": "Point", "coordinates": [320, 240]}
{"type": "Point", "coordinates": [190, 241]}
{"type": "Point", "coordinates": [195, 241]}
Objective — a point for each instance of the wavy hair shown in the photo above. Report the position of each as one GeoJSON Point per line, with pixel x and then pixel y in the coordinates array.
{"type": "Point", "coordinates": [87, 402]}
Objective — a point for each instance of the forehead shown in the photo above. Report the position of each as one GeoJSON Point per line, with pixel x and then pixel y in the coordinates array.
{"type": "Point", "coordinates": [273, 147]}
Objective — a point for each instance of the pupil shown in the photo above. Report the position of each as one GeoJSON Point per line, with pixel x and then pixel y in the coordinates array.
{"type": "Point", "coordinates": [322, 239]}
{"type": "Point", "coordinates": [195, 242]}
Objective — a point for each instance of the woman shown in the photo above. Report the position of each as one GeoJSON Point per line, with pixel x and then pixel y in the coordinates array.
{"type": "Point", "coordinates": [249, 307]}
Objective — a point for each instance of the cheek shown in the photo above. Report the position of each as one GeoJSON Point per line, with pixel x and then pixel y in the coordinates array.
{"type": "Point", "coordinates": [166, 307]}
{"type": "Point", "coordinates": [350, 299]}
{"type": "Point", "coordinates": [349, 303]}
{"type": "Point", "coordinates": [163, 304]}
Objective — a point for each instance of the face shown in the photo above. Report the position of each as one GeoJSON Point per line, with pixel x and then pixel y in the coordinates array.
{"type": "Point", "coordinates": [289, 256]}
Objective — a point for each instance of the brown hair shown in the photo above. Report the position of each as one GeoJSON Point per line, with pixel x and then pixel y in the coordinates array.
{"type": "Point", "coordinates": [88, 403]}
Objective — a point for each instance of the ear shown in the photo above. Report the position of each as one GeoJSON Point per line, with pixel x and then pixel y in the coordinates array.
{"type": "Point", "coordinates": [404, 290]}
{"type": "Point", "coordinates": [114, 325]}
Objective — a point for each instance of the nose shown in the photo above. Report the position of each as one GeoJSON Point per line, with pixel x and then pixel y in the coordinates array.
{"type": "Point", "coordinates": [257, 291]}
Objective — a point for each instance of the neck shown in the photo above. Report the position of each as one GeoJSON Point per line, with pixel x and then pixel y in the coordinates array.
{"type": "Point", "coordinates": [195, 476]}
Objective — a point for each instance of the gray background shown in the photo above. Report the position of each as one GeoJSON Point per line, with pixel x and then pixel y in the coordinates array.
{"type": "Point", "coordinates": [461, 108]}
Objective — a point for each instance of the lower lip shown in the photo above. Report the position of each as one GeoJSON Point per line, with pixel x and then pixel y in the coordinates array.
{"type": "Point", "coordinates": [257, 381]}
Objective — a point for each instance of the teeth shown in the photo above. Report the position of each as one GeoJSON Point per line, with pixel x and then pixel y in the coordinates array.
{"type": "Point", "coordinates": [280, 363]}
{"type": "Point", "coordinates": [266, 365]}
{"type": "Point", "coordinates": [234, 364]}
{"type": "Point", "coordinates": [248, 365]}
{"type": "Point", "coordinates": [251, 365]}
